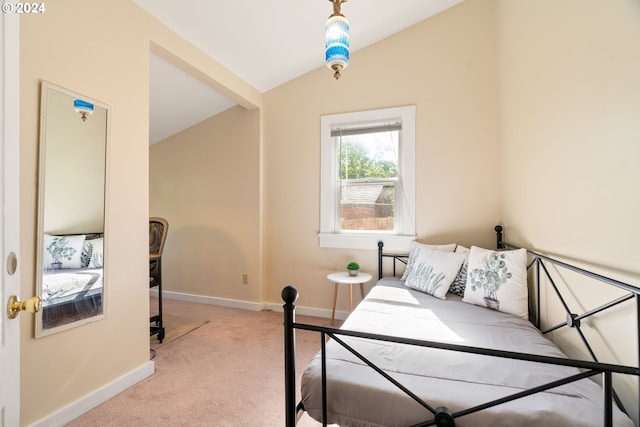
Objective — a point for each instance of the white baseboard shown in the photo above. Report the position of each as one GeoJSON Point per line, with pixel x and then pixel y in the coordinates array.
{"type": "Point", "coordinates": [246, 305]}
{"type": "Point", "coordinates": [85, 403]}
{"type": "Point", "coordinates": [203, 299]}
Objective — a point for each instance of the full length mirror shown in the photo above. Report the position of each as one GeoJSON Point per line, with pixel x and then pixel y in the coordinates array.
{"type": "Point", "coordinates": [74, 131]}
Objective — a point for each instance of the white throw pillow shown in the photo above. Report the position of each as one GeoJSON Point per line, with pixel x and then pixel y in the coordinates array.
{"type": "Point", "coordinates": [63, 251]}
{"type": "Point", "coordinates": [433, 271]}
{"type": "Point", "coordinates": [415, 249]}
{"type": "Point", "coordinates": [97, 253]}
{"type": "Point", "coordinates": [460, 282]}
{"type": "Point", "coordinates": [498, 280]}
{"type": "Point", "coordinates": [85, 258]}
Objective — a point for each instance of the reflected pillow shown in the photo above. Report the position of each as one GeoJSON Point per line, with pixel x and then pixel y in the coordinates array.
{"type": "Point", "coordinates": [85, 258]}
{"type": "Point", "coordinates": [433, 271]}
{"type": "Point", "coordinates": [498, 280]}
{"type": "Point", "coordinates": [415, 249]}
{"type": "Point", "coordinates": [97, 253]}
{"type": "Point", "coordinates": [63, 251]}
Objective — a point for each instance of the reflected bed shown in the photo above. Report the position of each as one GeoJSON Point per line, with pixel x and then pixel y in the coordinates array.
{"type": "Point", "coordinates": [71, 294]}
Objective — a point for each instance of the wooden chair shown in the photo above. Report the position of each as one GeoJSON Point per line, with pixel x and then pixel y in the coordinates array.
{"type": "Point", "coordinates": [158, 228]}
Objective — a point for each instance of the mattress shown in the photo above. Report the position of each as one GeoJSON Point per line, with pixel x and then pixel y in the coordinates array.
{"type": "Point", "coordinates": [359, 397]}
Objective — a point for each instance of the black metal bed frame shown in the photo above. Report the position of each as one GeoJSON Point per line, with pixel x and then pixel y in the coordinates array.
{"type": "Point", "coordinates": [442, 416]}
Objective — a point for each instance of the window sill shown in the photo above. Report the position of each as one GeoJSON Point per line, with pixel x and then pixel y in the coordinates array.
{"type": "Point", "coordinates": [392, 242]}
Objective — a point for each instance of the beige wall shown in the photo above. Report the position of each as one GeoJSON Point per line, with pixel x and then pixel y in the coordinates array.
{"type": "Point", "coordinates": [570, 103]}
{"type": "Point", "coordinates": [107, 63]}
{"type": "Point", "coordinates": [101, 50]}
{"type": "Point", "coordinates": [205, 181]}
{"type": "Point", "coordinates": [446, 66]}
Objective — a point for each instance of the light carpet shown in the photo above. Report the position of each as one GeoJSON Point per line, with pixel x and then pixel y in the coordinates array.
{"type": "Point", "coordinates": [227, 372]}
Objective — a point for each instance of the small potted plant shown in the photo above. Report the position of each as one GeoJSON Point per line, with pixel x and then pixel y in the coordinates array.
{"type": "Point", "coordinates": [353, 268]}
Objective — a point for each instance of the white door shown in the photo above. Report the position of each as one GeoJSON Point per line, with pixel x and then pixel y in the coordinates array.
{"type": "Point", "coordinates": [9, 219]}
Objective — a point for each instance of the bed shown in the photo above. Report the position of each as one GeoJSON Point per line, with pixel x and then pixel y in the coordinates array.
{"type": "Point", "coordinates": [405, 357]}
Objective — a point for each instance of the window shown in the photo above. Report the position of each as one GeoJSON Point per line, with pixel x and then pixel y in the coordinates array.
{"type": "Point", "coordinates": [368, 179]}
{"type": "Point", "coordinates": [367, 176]}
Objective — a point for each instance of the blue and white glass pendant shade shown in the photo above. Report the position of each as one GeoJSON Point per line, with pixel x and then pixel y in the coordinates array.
{"type": "Point", "coordinates": [84, 108]}
{"type": "Point", "coordinates": [337, 43]}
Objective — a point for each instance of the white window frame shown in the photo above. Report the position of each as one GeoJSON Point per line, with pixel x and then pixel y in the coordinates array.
{"type": "Point", "coordinates": [330, 235]}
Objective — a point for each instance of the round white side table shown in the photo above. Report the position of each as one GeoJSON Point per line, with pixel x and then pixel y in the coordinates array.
{"type": "Point", "coordinates": [343, 277]}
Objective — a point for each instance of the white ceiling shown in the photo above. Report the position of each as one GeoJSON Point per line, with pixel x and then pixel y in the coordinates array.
{"type": "Point", "coordinates": [264, 42]}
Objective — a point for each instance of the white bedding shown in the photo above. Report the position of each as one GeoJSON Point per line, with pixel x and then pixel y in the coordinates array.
{"type": "Point", "coordinates": [65, 283]}
{"type": "Point", "coordinates": [359, 397]}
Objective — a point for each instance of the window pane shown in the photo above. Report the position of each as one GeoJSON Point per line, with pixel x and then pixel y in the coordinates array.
{"type": "Point", "coordinates": [367, 206]}
{"type": "Point", "coordinates": [368, 173]}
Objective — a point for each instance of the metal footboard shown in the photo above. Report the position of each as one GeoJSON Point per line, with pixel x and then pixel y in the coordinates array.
{"type": "Point", "coordinates": [573, 320]}
{"type": "Point", "coordinates": [440, 416]}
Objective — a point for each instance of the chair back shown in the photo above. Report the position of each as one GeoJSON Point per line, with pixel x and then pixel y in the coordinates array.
{"type": "Point", "coordinates": [158, 228]}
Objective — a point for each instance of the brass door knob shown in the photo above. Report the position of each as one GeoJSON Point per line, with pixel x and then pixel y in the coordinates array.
{"type": "Point", "coordinates": [32, 305]}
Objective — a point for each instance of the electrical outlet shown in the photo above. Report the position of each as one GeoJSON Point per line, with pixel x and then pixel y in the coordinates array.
{"type": "Point", "coordinates": [245, 279]}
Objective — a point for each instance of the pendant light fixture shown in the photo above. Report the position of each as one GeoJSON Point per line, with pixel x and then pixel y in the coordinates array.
{"type": "Point", "coordinates": [83, 108]}
{"type": "Point", "coordinates": [337, 40]}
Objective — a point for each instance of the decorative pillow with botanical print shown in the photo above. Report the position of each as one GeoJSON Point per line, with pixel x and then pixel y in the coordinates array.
{"type": "Point", "coordinates": [460, 282]}
{"type": "Point", "coordinates": [498, 280]}
{"type": "Point", "coordinates": [85, 257]}
{"type": "Point", "coordinates": [97, 253]}
{"type": "Point", "coordinates": [433, 271]}
{"type": "Point", "coordinates": [63, 251]}
{"type": "Point", "coordinates": [415, 249]}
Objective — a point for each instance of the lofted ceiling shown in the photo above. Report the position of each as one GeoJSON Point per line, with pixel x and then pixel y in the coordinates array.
{"type": "Point", "coordinates": [264, 42]}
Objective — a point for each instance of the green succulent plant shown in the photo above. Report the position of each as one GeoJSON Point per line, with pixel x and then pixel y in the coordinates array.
{"type": "Point", "coordinates": [353, 266]}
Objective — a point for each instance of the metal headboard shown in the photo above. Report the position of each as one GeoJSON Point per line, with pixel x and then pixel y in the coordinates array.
{"type": "Point", "coordinates": [402, 258]}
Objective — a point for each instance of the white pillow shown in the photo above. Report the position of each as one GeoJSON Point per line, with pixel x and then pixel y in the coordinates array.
{"type": "Point", "coordinates": [97, 253]}
{"type": "Point", "coordinates": [85, 258]}
{"type": "Point", "coordinates": [460, 282]}
{"type": "Point", "coordinates": [433, 271]}
{"type": "Point", "coordinates": [498, 280]}
{"type": "Point", "coordinates": [415, 249]}
{"type": "Point", "coordinates": [63, 251]}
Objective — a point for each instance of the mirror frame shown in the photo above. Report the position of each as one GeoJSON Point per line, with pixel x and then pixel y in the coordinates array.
{"type": "Point", "coordinates": [44, 94]}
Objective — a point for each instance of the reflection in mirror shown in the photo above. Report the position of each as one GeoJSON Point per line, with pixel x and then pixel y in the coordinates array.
{"type": "Point", "coordinates": [74, 133]}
